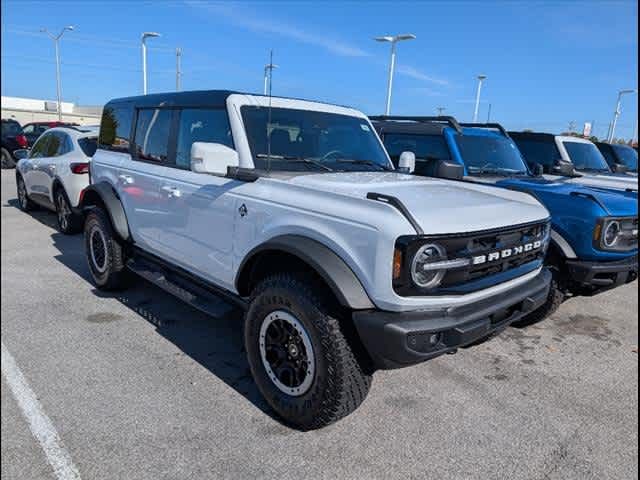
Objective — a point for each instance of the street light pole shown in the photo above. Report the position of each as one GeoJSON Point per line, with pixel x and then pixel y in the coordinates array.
{"type": "Point", "coordinates": [392, 62]}
{"type": "Point", "coordinates": [145, 35]}
{"type": "Point", "coordinates": [440, 110]}
{"type": "Point", "coordinates": [481, 78]}
{"type": "Point", "coordinates": [268, 72]}
{"type": "Point", "coordinates": [616, 114]}
{"type": "Point", "coordinates": [56, 39]}
{"type": "Point", "coordinates": [178, 69]}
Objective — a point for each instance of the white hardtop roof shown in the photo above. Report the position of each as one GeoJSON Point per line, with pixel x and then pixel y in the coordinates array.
{"type": "Point", "coordinates": [567, 138]}
{"type": "Point", "coordinates": [239, 99]}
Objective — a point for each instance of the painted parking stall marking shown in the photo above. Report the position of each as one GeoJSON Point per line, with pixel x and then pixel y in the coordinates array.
{"type": "Point", "coordinates": [39, 423]}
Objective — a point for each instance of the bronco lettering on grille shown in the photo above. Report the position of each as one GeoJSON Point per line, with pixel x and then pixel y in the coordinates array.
{"type": "Point", "coordinates": [507, 252]}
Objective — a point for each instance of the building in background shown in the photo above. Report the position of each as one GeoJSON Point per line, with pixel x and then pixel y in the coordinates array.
{"type": "Point", "coordinates": [26, 110]}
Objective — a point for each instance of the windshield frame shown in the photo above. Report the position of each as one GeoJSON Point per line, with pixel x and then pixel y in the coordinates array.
{"type": "Point", "coordinates": [311, 164]}
{"type": "Point", "coordinates": [499, 171]}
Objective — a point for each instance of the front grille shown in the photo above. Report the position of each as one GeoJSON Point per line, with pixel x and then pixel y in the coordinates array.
{"type": "Point", "coordinates": [478, 244]}
{"type": "Point", "coordinates": [629, 230]}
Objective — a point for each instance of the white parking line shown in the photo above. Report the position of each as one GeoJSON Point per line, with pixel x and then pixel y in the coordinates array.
{"type": "Point", "coordinates": [39, 423]}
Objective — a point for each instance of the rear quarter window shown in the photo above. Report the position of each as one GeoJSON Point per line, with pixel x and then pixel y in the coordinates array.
{"type": "Point", "coordinates": [115, 128]}
{"type": "Point", "coordinates": [88, 145]}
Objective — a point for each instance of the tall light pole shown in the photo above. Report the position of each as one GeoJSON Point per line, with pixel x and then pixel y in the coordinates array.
{"type": "Point", "coordinates": [178, 68]}
{"type": "Point", "coordinates": [268, 72]}
{"type": "Point", "coordinates": [481, 79]}
{"type": "Point", "coordinates": [440, 110]}
{"type": "Point", "coordinates": [616, 114]}
{"type": "Point", "coordinates": [145, 35]}
{"type": "Point", "coordinates": [56, 39]}
{"type": "Point", "coordinates": [392, 63]}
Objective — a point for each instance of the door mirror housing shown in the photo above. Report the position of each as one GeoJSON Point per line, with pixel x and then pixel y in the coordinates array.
{"type": "Point", "coordinates": [564, 168]}
{"type": "Point", "coordinates": [619, 168]}
{"type": "Point", "coordinates": [537, 169]}
{"type": "Point", "coordinates": [21, 153]}
{"type": "Point", "coordinates": [407, 162]}
{"type": "Point", "coordinates": [449, 170]}
{"type": "Point", "coordinates": [213, 158]}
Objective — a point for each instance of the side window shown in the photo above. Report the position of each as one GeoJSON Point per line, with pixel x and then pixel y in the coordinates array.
{"type": "Point", "coordinates": [54, 146]}
{"type": "Point", "coordinates": [538, 151]}
{"type": "Point", "coordinates": [88, 145]}
{"type": "Point", "coordinates": [152, 134]}
{"type": "Point", "coordinates": [28, 130]}
{"type": "Point", "coordinates": [40, 148]}
{"type": "Point", "coordinates": [115, 128]}
{"type": "Point", "coordinates": [201, 125]}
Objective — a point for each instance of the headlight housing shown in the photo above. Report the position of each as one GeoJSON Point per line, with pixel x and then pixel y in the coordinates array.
{"type": "Point", "coordinates": [427, 266]}
{"type": "Point", "coordinates": [616, 234]}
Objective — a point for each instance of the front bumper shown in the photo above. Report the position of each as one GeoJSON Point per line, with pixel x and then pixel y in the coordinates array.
{"type": "Point", "coordinates": [399, 339]}
{"type": "Point", "coordinates": [596, 277]}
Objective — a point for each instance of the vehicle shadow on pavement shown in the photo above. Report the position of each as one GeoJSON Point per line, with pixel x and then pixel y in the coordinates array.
{"type": "Point", "coordinates": [215, 343]}
{"type": "Point", "coordinates": [46, 217]}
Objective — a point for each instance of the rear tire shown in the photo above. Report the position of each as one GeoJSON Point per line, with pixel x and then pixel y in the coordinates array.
{"type": "Point", "coordinates": [68, 221]}
{"type": "Point", "coordinates": [25, 203]}
{"type": "Point", "coordinates": [105, 253]}
{"type": "Point", "coordinates": [554, 299]}
{"type": "Point", "coordinates": [7, 159]}
{"type": "Point", "coordinates": [290, 324]}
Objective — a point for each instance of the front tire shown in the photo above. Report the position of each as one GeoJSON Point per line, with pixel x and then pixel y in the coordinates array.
{"type": "Point", "coordinates": [68, 221]}
{"type": "Point", "coordinates": [299, 355]}
{"type": "Point", "coordinates": [25, 203]}
{"type": "Point", "coordinates": [105, 253]}
{"type": "Point", "coordinates": [7, 159]}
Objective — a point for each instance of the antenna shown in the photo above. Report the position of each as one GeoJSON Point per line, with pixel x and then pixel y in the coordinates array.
{"type": "Point", "coordinates": [269, 115]}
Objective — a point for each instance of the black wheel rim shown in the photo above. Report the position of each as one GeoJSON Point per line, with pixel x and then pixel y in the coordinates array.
{"type": "Point", "coordinates": [98, 249]}
{"type": "Point", "coordinates": [287, 353]}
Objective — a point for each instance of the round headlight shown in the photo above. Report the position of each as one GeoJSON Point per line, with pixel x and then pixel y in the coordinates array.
{"type": "Point", "coordinates": [422, 274]}
{"type": "Point", "coordinates": [610, 236]}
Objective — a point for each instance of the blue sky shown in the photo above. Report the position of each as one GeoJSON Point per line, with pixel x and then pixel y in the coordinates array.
{"type": "Point", "coordinates": [548, 63]}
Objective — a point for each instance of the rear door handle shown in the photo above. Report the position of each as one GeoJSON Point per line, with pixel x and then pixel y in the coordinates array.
{"type": "Point", "coordinates": [127, 179]}
{"type": "Point", "coordinates": [172, 191]}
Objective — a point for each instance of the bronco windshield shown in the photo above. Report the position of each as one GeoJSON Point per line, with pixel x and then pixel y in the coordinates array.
{"type": "Point", "coordinates": [306, 140]}
{"type": "Point", "coordinates": [490, 155]}
{"type": "Point", "coordinates": [586, 157]}
{"type": "Point", "coordinates": [628, 156]}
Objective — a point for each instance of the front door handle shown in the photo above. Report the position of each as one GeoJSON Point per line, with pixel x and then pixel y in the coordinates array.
{"type": "Point", "coordinates": [126, 179]}
{"type": "Point", "coordinates": [172, 191]}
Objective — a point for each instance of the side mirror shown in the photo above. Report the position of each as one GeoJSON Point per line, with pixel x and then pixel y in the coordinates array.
{"type": "Point", "coordinates": [212, 158]}
{"type": "Point", "coordinates": [449, 170]}
{"type": "Point", "coordinates": [619, 168]}
{"type": "Point", "coordinates": [537, 169]}
{"type": "Point", "coordinates": [407, 162]}
{"type": "Point", "coordinates": [564, 168]}
{"type": "Point", "coordinates": [21, 153]}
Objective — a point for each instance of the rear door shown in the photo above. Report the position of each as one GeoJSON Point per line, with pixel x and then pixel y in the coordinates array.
{"type": "Point", "coordinates": [141, 174]}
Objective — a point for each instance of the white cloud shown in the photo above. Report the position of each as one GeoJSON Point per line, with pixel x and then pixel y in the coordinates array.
{"type": "Point", "coordinates": [418, 75]}
{"type": "Point", "coordinates": [240, 17]}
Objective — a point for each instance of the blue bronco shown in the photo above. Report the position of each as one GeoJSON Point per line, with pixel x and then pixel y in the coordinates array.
{"type": "Point", "coordinates": [594, 230]}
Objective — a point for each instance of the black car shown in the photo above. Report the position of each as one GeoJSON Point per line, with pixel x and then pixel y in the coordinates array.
{"type": "Point", "coordinates": [12, 139]}
{"type": "Point", "coordinates": [617, 154]}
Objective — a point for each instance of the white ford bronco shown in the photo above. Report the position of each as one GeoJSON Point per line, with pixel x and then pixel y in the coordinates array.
{"type": "Point", "coordinates": [292, 210]}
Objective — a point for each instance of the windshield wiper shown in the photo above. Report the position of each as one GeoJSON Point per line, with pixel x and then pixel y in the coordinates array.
{"type": "Point", "coordinates": [495, 171]}
{"type": "Point", "coordinates": [292, 158]}
{"type": "Point", "coordinates": [363, 162]}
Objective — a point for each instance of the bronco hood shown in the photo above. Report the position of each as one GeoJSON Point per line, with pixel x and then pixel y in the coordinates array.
{"type": "Point", "coordinates": [439, 206]}
{"type": "Point", "coordinates": [601, 181]}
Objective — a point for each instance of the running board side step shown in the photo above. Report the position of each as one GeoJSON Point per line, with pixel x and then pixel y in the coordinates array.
{"type": "Point", "coordinates": [180, 286]}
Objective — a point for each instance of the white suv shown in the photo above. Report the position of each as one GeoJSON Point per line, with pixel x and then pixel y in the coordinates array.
{"type": "Point", "coordinates": [291, 210]}
{"type": "Point", "coordinates": [55, 172]}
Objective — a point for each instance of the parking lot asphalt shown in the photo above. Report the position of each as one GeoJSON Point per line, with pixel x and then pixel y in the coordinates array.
{"type": "Point", "coordinates": [140, 386]}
